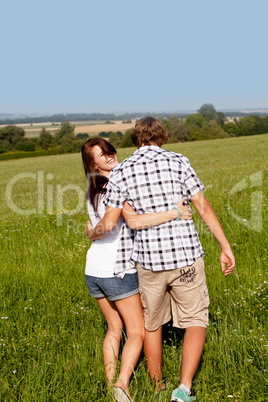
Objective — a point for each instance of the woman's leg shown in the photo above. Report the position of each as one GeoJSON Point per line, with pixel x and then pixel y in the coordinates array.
{"type": "Point", "coordinates": [131, 312]}
{"type": "Point", "coordinates": [112, 339]}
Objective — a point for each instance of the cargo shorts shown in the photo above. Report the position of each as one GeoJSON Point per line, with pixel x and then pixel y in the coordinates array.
{"type": "Point", "coordinates": [179, 293]}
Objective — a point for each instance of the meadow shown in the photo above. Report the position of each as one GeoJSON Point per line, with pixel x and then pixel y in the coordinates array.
{"type": "Point", "coordinates": [51, 331]}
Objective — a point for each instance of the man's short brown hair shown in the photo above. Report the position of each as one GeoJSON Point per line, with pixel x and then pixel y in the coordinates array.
{"type": "Point", "coordinates": [149, 130]}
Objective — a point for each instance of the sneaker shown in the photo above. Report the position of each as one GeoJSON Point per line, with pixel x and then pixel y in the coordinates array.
{"type": "Point", "coordinates": [179, 395]}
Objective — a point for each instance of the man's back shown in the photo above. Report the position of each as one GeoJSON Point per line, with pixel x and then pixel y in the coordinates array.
{"type": "Point", "coordinates": [154, 180]}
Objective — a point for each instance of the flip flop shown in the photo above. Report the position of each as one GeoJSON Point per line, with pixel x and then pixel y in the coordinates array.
{"type": "Point", "coordinates": [121, 396]}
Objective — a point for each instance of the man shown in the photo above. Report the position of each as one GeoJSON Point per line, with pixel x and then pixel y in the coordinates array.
{"type": "Point", "coordinates": [169, 256]}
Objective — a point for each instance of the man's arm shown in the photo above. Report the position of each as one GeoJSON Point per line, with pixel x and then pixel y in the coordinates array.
{"type": "Point", "coordinates": [209, 216]}
{"type": "Point", "coordinates": [105, 225]}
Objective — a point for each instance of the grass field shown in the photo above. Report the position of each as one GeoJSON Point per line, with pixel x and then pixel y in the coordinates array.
{"type": "Point", "coordinates": [51, 331]}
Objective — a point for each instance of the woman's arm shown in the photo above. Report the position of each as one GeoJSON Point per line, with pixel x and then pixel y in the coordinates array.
{"type": "Point", "coordinates": [105, 225]}
{"type": "Point", "coordinates": [145, 221]}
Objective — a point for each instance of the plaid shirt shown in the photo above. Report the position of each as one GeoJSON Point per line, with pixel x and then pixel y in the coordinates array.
{"type": "Point", "coordinates": [124, 251]}
{"type": "Point", "coordinates": [154, 180]}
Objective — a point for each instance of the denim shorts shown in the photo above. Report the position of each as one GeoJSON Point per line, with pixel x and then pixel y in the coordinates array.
{"type": "Point", "coordinates": [113, 288]}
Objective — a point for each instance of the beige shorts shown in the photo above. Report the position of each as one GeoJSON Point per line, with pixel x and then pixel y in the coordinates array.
{"type": "Point", "coordinates": [182, 291]}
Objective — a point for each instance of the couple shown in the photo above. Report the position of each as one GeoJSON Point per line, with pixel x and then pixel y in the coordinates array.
{"type": "Point", "coordinates": [168, 255]}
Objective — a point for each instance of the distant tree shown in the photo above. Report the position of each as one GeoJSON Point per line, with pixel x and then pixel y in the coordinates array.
{"type": "Point", "coordinates": [252, 125]}
{"type": "Point", "coordinates": [166, 124]}
{"type": "Point", "coordinates": [176, 129]}
{"type": "Point", "coordinates": [6, 145]}
{"type": "Point", "coordinates": [10, 136]}
{"type": "Point", "coordinates": [11, 133]}
{"type": "Point", "coordinates": [194, 119]}
{"type": "Point", "coordinates": [208, 111]}
{"type": "Point", "coordinates": [232, 129]}
{"type": "Point", "coordinates": [68, 143]}
{"type": "Point", "coordinates": [30, 145]}
{"type": "Point", "coordinates": [45, 139]}
{"type": "Point", "coordinates": [82, 135]}
{"type": "Point", "coordinates": [66, 128]}
{"type": "Point", "coordinates": [114, 140]}
{"type": "Point", "coordinates": [104, 134]}
{"type": "Point", "coordinates": [25, 144]}
{"type": "Point", "coordinates": [212, 131]}
{"type": "Point", "coordinates": [171, 139]}
{"type": "Point", "coordinates": [220, 119]}
{"type": "Point", "coordinates": [259, 124]}
{"type": "Point", "coordinates": [126, 140]}
{"type": "Point", "coordinates": [195, 134]}
{"type": "Point", "coordinates": [246, 125]}
{"type": "Point", "coordinates": [265, 124]}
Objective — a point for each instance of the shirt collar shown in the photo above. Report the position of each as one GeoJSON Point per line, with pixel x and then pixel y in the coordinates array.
{"type": "Point", "coordinates": [145, 148]}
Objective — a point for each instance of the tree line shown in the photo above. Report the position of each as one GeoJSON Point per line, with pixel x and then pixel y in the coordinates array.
{"type": "Point", "coordinates": [206, 124]}
{"type": "Point", "coordinates": [12, 138]}
{"type": "Point", "coordinates": [56, 118]}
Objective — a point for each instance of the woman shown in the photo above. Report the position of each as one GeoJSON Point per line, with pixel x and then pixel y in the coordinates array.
{"type": "Point", "coordinates": [117, 297]}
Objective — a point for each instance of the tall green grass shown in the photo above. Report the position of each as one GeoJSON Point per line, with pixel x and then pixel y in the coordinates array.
{"type": "Point", "coordinates": [51, 331]}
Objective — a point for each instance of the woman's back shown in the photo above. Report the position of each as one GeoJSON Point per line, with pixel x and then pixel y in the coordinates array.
{"type": "Point", "coordinates": [102, 255]}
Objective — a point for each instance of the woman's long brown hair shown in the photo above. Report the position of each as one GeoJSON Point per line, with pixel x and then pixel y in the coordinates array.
{"type": "Point", "coordinates": [97, 183]}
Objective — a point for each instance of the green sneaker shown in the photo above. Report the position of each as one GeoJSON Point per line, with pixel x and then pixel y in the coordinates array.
{"type": "Point", "coordinates": [179, 395]}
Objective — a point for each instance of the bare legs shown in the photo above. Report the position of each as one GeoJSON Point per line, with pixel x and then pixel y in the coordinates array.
{"type": "Point", "coordinates": [193, 345]}
{"type": "Point", "coordinates": [129, 312]}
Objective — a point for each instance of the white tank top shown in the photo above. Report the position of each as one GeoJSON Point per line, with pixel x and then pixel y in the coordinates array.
{"type": "Point", "coordinates": [101, 256]}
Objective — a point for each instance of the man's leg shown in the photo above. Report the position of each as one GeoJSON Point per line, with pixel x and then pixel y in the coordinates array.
{"type": "Point", "coordinates": [190, 301]}
{"type": "Point", "coordinates": [193, 345]}
{"type": "Point", "coordinates": [155, 299]}
{"type": "Point", "coordinates": [153, 353]}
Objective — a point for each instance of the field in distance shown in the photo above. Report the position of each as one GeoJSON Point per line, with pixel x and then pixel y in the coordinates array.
{"type": "Point", "coordinates": [90, 127]}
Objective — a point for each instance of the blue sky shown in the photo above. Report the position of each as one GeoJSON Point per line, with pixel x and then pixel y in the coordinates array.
{"type": "Point", "coordinates": [128, 56]}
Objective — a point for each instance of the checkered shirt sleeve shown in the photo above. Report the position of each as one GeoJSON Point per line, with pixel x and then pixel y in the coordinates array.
{"type": "Point", "coordinates": [115, 195]}
{"type": "Point", "coordinates": [124, 251]}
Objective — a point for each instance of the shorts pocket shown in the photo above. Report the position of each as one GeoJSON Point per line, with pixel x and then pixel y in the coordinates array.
{"type": "Point", "coordinates": [143, 303]}
{"type": "Point", "coordinates": [204, 296]}
{"type": "Point", "coordinates": [111, 286]}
